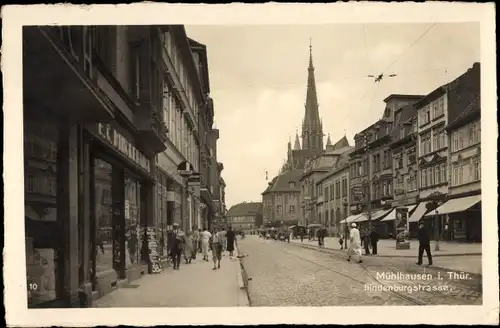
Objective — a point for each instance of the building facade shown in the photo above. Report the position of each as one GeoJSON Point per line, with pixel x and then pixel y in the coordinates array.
{"type": "Point", "coordinates": [244, 216]}
{"type": "Point", "coordinates": [101, 154]}
{"type": "Point", "coordinates": [458, 215]}
{"type": "Point", "coordinates": [371, 164]}
{"type": "Point", "coordinates": [335, 186]}
{"type": "Point", "coordinates": [280, 201]}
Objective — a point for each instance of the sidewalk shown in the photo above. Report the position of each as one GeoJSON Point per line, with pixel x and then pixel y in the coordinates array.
{"type": "Point", "coordinates": [387, 248]}
{"type": "Point", "coordinates": [194, 285]}
{"type": "Point", "coordinates": [452, 256]}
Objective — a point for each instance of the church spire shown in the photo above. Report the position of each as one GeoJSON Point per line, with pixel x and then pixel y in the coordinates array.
{"type": "Point", "coordinates": [312, 130]}
{"type": "Point", "coordinates": [329, 141]}
{"type": "Point", "coordinates": [297, 142]}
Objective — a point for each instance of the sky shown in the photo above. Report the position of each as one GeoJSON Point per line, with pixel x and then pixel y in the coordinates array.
{"type": "Point", "coordinates": [258, 78]}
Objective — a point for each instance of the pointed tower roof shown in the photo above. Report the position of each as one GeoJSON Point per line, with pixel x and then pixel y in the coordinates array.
{"type": "Point", "coordinates": [297, 142]}
{"type": "Point", "coordinates": [312, 134]}
{"type": "Point", "coordinates": [328, 141]}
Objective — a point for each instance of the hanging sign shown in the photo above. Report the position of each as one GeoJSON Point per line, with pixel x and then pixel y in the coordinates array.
{"type": "Point", "coordinates": [123, 145]}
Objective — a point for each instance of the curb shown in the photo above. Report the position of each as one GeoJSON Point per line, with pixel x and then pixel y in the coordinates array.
{"type": "Point", "coordinates": [243, 295]}
{"type": "Point", "coordinates": [384, 256]}
{"type": "Point", "coordinates": [340, 252]}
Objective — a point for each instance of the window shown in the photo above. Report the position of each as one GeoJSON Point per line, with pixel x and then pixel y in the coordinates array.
{"type": "Point", "coordinates": [412, 182]}
{"type": "Point", "coordinates": [278, 199]}
{"type": "Point", "coordinates": [414, 126]}
{"type": "Point", "coordinates": [326, 193]}
{"type": "Point", "coordinates": [430, 177]}
{"type": "Point", "coordinates": [423, 178]}
{"type": "Point", "coordinates": [428, 114]}
{"type": "Point", "coordinates": [476, 170]}
{"type": "Point", "coordinates": [337, 189]}
{"type": "Point", "coordinates": [443, 173]}
{"type": "Point", "coordinates": [292, 209]}
{"type": "Point", "coordinates": [278, 209]}
{"type": "Point", "coordinates": [437, 176]}
{"type": "Point", "coordinates": [331, 192]}
{"type": "Point", "coordinates": [439, 107]}
{"type": "Point", "coordinates": [412, 158]}
{"type": "Point", "coordinates": [476, 132]}
{"type": "Point", "coordinates": [376, 162]}
{"type": "Point", "coordinates": [291, 184]}
{"type": "Point", "coordinates": [387, 159]}
{"type": "Point", "coordinates": [344, 187]}
{"type": "Point", "coordinates": [425, 144]}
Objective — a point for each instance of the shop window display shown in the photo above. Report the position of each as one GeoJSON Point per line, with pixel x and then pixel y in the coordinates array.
{"type": "Point", "coordinates": [41, 222]}
{"type": "Point", "coordinates": [103, 215]}
{"type": "Point", "coordinates": [133, 231]}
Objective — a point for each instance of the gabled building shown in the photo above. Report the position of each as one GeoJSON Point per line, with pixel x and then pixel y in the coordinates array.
{"type": "Point", "coordinates": [244, 216]}
{"type": "Point", "coordinates": [281, 199]}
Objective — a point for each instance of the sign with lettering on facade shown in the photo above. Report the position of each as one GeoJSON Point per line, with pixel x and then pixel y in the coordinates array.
{"type": "Point", "coordinates": [123, 145]}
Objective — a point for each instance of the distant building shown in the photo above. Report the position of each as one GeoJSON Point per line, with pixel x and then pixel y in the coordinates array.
{"type": "Point", "coordinates": [243, 216]}
{"type": "Point", "coordinates": [281, 199]}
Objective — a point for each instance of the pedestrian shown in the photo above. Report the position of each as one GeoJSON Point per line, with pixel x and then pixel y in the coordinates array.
{"type": "Point", "coordinates": [302, 236]}
{"type": "Point", "coordinates": [374, 240]}
{"type": "Point", "coordinates": [199, 241]}
{"type": "Point", "coordinates": [230, 240]}
{"type": "Point", "coordinates": [188, 248]}
{"type": "Point", "coordinates": [205, 243]}
{"type": "Point", "coordinates": [177, 245]}
{"type": "Point", "coordinates": [366, 241]}
{"type": "Point", "coordinates": [424, 244]}
{"type": "Point", "coordinates": [216, 249]}
{"type": "Point", "coordinates": [196, 239]}
{"type": "Point", "coordinates": [354, 243]}
{"type": "Point", "coordinates": [341, 241]}
{"type": "Point", "coordinates": [222, 235]}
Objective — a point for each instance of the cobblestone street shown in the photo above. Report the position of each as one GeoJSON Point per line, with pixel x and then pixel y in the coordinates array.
{"type": "Point", "coordinates": [284, 274]}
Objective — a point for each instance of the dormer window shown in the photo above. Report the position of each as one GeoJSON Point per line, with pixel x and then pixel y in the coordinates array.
{"type": "Point", "coordinates": [291, 184]}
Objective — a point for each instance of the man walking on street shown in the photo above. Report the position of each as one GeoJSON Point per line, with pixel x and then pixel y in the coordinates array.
{"type": "Point", "coordinates": [424, 244]}
{"type": "Point", "coordinates": [216, 249]}
{"type": "Point", "coordinates": [355, 243]}
{"type": "Point", "coordinates": [223, 240]}
{"type": "Point", "coordinates": [366, 241]}
{"type": "Point", "coordinates": [177, 246]}
{"type": "Point", "coordinates": [205, 242]}
{"type": "Point", "coordinates": [374, 240]}
{"type": "Point", "coordinates": [230, 240]}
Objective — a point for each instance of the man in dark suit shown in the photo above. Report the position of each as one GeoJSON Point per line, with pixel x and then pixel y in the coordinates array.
{"type": "Point", "coordinates": [424, 244]}
{"type": "Point", "coordinates": [374, 240]}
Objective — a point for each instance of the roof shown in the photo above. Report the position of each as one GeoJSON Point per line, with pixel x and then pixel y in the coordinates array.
{"type": "Point", "coordinates": [342, 143]}
{"type": "Point", "coordinates": [245, 209]}
{"type": "Point", "coordinates": [342, 161]}
{"type": "Point", "coordinates": [269, 186]}
{"type": "Point", "coordinates": [282, 181]}
{"type": "Point", "coordinates": [407, 112]}
{"type": "Point", "coordinates": [472, 112]}
{"type": "Point", "coordinates": [463, 91]}
{"type": "Point", "coordinates": [402, 96]}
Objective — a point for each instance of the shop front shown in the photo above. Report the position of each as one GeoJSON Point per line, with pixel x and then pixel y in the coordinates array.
{"type": "Point", "coordinates": [121, 208]}
{"type": "Point", "coordinates": [460, 218]}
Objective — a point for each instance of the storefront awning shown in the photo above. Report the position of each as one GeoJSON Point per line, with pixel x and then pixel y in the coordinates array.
{"type": "Point", "coordinates": [419, 212]}
{"type": "Point", "coordinates": [375, 215]}
{"type": "Point", "coordinates": [456, 205]}
{"type": "Point", "coordinates": [351, 218]}
{"type": "Point", "coordinates": [392, 215]}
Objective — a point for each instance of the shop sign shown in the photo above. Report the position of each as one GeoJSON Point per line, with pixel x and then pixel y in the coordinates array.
{"type": "Point", "coordinates": [154, 257]}
{"type": "Point", "coordinates": [123, 145]}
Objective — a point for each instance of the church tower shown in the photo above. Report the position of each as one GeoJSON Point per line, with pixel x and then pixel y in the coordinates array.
{"type": "Point", "coordinates": [312, 127]}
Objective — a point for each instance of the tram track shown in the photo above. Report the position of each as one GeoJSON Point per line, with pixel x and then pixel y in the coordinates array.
{"type": "Point", "coordinates": [363, 283]}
